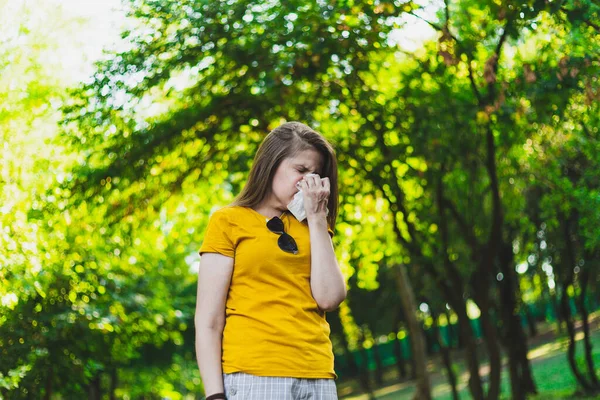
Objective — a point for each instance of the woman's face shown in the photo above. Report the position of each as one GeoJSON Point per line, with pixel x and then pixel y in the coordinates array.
{"type": "Point", "coordinates": [291, 171]}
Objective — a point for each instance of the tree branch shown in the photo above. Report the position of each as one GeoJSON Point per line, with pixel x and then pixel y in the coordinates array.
{"type": "Point", "coordinates": [587, 21]}
{"type": "Point", "coordinates": [399, 203]}
{"type": "Point", "coordinates": [496, 63]}
{"type": "Point", "coordinates": [435, 26]}
{"type": "Point", "coordinates": [461, 221]}
{"type": "Point", "coordinates": [473, 84]}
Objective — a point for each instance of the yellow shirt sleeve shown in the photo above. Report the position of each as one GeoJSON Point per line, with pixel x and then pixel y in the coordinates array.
{"type": "Point", "coordinates": [218, 237]}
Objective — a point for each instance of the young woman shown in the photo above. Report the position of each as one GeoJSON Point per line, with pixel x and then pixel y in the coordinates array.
{"type": "Point", "coordinates": [266, 279]}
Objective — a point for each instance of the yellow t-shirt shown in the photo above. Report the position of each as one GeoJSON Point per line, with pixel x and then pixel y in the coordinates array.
{"type": "Point", "coordinates": [273, 326]}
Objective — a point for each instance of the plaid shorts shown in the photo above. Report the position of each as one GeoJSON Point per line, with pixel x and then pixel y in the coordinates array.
{"type": "Point", "coordinates": [241, 386]}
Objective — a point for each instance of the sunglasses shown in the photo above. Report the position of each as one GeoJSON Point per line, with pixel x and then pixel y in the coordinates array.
{"type": "Point", "coordinates": [285, 241]}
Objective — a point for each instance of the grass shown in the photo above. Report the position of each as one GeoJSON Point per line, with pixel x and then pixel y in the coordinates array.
{"type": "Point", "coordinates": [547, 354]}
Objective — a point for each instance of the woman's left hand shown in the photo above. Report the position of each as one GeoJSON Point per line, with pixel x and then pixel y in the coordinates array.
{"type": "Point", "coordinates": [316, 195]}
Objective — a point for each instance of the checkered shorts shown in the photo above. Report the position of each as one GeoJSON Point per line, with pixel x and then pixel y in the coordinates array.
{"type": "Point", "coordinates": [241, 386]}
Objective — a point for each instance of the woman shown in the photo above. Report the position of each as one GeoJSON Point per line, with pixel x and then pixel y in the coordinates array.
{"type": "Point", "coordinates": [266, 279]}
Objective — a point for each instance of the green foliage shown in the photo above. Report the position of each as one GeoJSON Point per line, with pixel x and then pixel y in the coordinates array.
{"type": "Point", "coordinates": [104, 201]}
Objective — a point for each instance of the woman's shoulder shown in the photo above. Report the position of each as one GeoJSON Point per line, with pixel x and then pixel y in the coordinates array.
{"type": "Point", "coordinates": [232, 217]}
{"type": "Point", "coordinates": [230, 211]}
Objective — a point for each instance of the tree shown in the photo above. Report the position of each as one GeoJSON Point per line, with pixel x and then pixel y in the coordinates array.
{"type": "Point", "coordinates": [458, 162]}
{"type": "Point", "coordinates": [270, 52]}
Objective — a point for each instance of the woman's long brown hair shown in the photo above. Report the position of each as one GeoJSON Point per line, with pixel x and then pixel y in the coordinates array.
{"type": "Point", "coordinates": [283, 142]}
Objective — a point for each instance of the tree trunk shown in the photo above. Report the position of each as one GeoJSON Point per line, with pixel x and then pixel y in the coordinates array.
{"type": "Point", "coordinates": [566, 313]}
{"type": "Point", "coordinates": [114, 383]}
{"type": "Point", "coordinates": [515, 340]}
{"type": "Point", "coordinates": [422, 388]}
{"type": "Point", "coordinates": [48, 387]}
{"type": "Point", "coordinates": [351, 361]}
{"type": "Point", "coordinates": [400, 365]}
{"type": "Point", "coordinates": [569, 263]}
{"type": "Point", "coordinates": [378, 365]}
{"type": "Point", "coordinates": [445, 352]}
{"type": "Point", "coordinates": [352, 366]}
{"type": "Point", "coordinates": [467, 337]}
{"type": "Point", "coordinates": [559, 315]}
{"type": "Point", "coordinates": [454, 293]}
{"type": "Point", "coordinates": [509, 339]}
{"type": "Point", "coordinates": [429, 341]}
{"type": "Point", "coordinates": [399, 354]}
{"type": "Point", "coordinates": [364, 375]}
{"type": "Point", "coordinates": [94, 390]}
{"type": "Point", "coordinates": [586, 329]}
{"type": "Point", "coordinates": [491, 340]}
{"type": "Point", "coordinates": [531, 323]}
{"type": "Point", "coordinates": [515, 376]}
{"type": "Point", "coordinates": [411, 360]}
{"type": "Point", "coordinates": [450, 327]}
{"type": "Point", "coordinates": [527, 381]}
{"type": "Point", "coordinates": [519, 368]}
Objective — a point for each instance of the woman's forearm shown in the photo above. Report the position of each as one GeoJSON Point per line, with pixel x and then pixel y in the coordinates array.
{"type": "Point", "coordinates": [208, 355]}
{"type": "Point", "coordinates": [326, 280]}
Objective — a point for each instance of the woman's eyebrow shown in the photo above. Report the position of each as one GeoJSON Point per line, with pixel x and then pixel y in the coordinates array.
{"type": "Point", "coordinates": [305, 167]}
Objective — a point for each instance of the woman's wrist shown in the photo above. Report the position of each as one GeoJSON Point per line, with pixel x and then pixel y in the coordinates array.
{"type": "Point", "coordinates": [317, 219]}
{"type": "Point", "coordinates": [217, 396]}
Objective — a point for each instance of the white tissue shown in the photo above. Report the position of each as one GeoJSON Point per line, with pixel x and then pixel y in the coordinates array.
{"type": "Point", "coordinates": [296, 206]}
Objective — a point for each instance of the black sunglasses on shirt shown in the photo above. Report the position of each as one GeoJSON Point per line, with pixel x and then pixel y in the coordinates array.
{"type": "Point", "coordinates": [285, 241]}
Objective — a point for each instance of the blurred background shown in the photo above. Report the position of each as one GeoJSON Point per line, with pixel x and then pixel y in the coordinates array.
{"type": "Point", "coordinates": [467, 134]}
